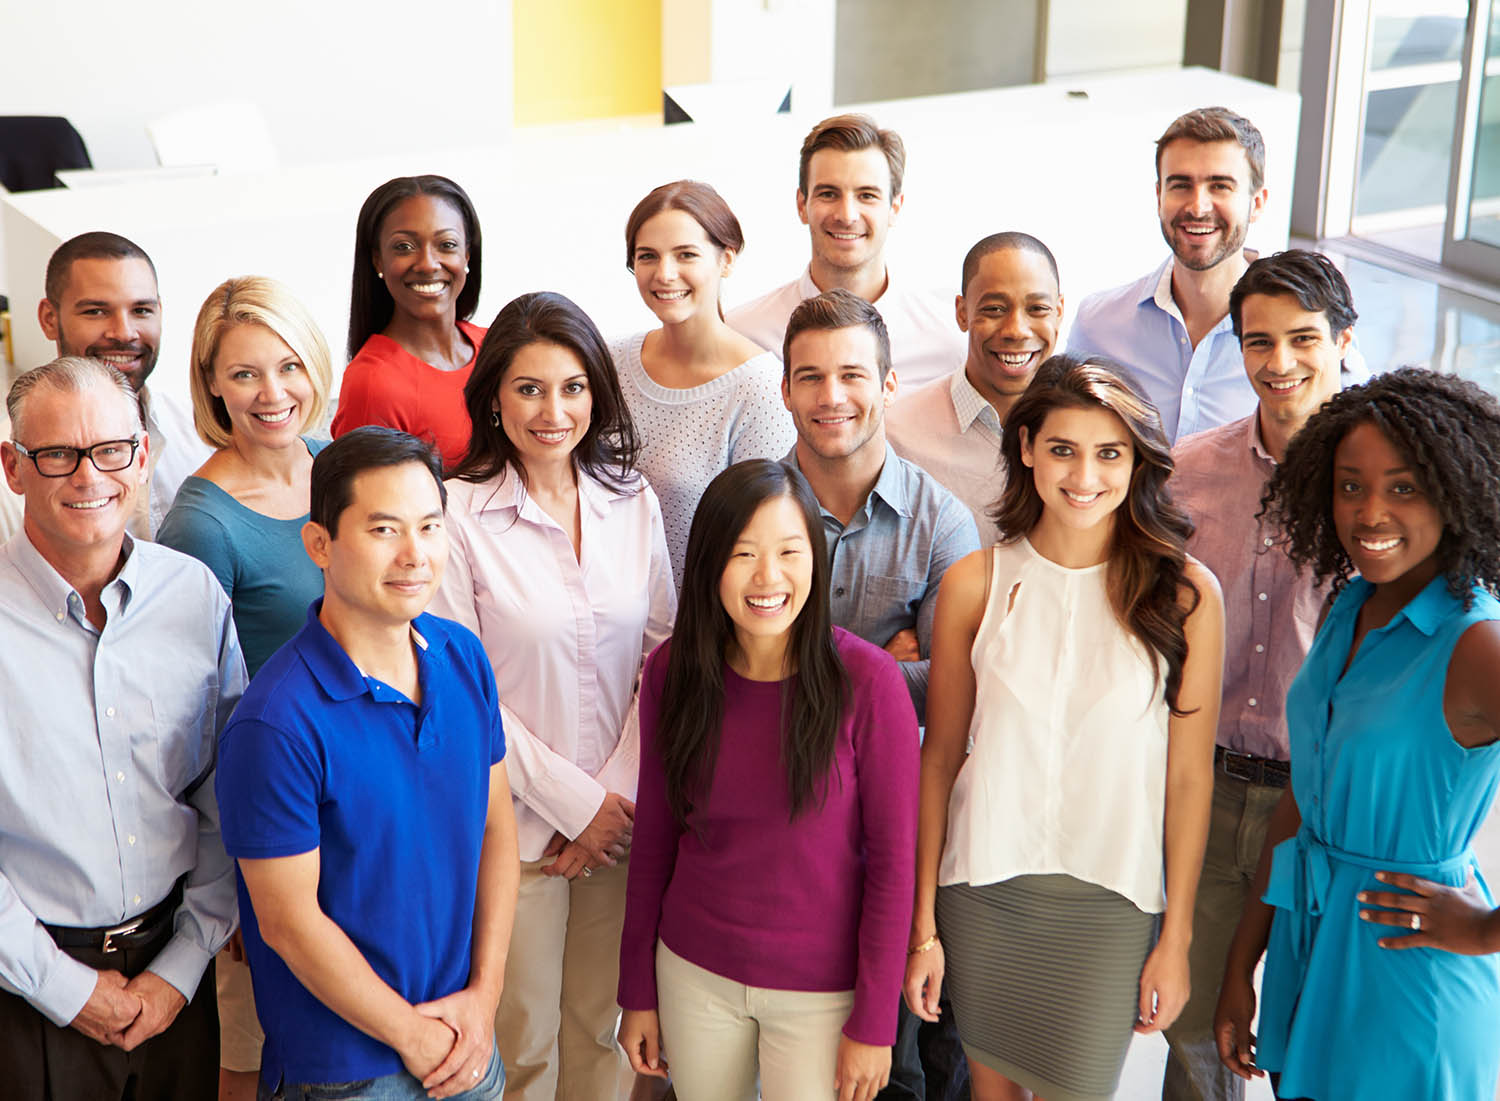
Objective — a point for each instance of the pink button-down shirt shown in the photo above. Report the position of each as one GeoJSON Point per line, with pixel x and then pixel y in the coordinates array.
{"type": "Point", "coordinates": [1270, 610]}
{"type": "Point", "coordinates": [566, 637]}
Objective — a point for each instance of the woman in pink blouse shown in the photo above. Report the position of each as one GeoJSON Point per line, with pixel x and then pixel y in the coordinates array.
{"type": "Point", "coordinates": [771, 886]}
{"type": "Point", "coordinates": [560, 565]}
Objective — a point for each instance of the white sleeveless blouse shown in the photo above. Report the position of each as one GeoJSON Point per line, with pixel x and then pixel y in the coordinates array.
{"type": "Point", "coordinates": [1068, 768]}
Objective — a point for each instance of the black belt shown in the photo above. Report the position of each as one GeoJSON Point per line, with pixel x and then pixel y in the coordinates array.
{"type": "Point", "coordinates": [1254, 770]}
{"type": "Point", "coordinates": [138, 932]}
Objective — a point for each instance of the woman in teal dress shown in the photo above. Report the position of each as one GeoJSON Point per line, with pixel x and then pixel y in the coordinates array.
{"type": "Point", "coordinates": [1393, 722]}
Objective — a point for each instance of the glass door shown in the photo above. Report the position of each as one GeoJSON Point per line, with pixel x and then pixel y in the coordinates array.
{"type": "Point", "coordinates": [1471, 242]}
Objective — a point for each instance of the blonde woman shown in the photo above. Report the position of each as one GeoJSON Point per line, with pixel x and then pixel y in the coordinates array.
{"type": "Point", "coordinates": [260, 378]}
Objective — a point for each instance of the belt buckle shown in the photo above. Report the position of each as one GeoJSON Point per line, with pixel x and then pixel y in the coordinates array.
{"type": "Point", "coordinates": [120, 931]}
{"type": "Point", "coordinates": [1241, 766]}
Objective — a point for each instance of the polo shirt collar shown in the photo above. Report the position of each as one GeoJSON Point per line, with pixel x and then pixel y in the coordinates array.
{"type": "Point", "coordinates": [336, 672]}
{"type": "Point", "coordinates": [968, 403]}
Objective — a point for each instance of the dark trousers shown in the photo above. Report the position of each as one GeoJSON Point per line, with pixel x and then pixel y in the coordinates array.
{"type": "Point", "coordinates": [927, 1063]}
{"type": "Point", "coordinates": [41, 1062]}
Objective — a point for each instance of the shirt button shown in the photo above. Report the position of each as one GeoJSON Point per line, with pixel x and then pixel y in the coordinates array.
{"type": "Point", "coordinates": [1188, 391]}
{"type": "Point", "coordinates": [1182, 340]}
{"type": "Point", "coordinates": [137, 900]}
{"type": "Point", "coordinates": [110, 711]}
{"type": "Point", "coordinates": [1260, 596]}
{"type": "Point", "coordinates": [838, 591]}
{"type": "Point", "coordinates": [1251, 701]}
{"type": "Point", "coordinates": [120, 776]}
{"type": "Point", "coordinates": [131, 839]}
{"type": "Point", "coordinates": [1259, 649]}
{"type": "Point", "coordinates": [61, 616]}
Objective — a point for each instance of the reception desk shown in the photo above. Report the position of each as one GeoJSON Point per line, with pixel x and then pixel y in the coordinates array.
{"type": "Point", "coordinates": [1069, 162]}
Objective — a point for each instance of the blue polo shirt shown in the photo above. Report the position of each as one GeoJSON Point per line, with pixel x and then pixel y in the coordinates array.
{"type": "Point", "coordinates": [319, 756]}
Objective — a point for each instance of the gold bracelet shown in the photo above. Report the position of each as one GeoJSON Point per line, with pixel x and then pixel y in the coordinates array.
{"type": "Point", "coordinates": [926, 944]}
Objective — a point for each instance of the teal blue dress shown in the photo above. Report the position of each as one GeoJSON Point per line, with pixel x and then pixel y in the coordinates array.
{"type": "Point", "coordinates": [1381, 784]}
{"type": "Point", "coordinates": [258, 559]}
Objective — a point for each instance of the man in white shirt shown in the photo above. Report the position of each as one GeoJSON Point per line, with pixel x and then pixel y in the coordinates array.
{"type": "Point", "coordinates": [1010, 308]}
{"type": "Point", "coordinates": [848, 196]}
{"type": "Point", "coordinates": [102, 302]}
{"type": "Point", "coordinates": [1171, 327]}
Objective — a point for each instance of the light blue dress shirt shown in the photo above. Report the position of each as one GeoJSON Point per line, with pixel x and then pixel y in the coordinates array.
{"type": "Point", "coordinates": [107, 742]}
{"type": "Point", "coordinates": [1139, 327]}
{"type": "Point", "coordinates": [886, 563]}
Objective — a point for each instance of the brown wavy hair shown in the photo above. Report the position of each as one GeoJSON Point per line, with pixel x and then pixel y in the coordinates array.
{"type": "Point", "coordinates": [1147, 580]}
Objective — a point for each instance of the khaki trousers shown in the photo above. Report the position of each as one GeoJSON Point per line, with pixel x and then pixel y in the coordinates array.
{"type": "Point", "coordinates": [557, 1017]}
{"type": "Point", "coordinates": [1236, 834]}
{"type": "Point", "coordinates": [718, 1035]}
{"type": "Point", "coordinates": [240, 1035]}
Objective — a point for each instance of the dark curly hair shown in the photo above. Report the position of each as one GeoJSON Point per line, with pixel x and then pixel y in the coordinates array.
{"type": "Point", "coordinates": [1447, 430]}
{"type": "Point", "coordinates": [1149, 589]}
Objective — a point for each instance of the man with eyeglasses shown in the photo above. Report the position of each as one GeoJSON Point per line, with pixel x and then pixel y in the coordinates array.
{"type": "Point", "coordinates": [115, 889]}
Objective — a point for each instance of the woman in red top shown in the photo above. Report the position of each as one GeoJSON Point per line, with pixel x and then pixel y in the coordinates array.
{"type": "Point", "coordinates": [416, 283]}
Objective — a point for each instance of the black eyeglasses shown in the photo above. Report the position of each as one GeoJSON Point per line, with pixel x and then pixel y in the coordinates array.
{"type": "Point", "coordinates": [59, 462]}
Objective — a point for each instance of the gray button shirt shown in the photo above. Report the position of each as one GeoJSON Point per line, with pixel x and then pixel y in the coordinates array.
{"type": "Point", "coordinates": [887, 562]}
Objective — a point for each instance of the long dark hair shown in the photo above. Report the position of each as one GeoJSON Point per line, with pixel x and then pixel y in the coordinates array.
{"type": "Point", "coordinates": [608, 448]}
{"type": "Point", "coordinates": [692, 708]}
{"type": "Point", "coordinates": [1147, 576]}
{"type": "Point", "coordinates": [370, 303]}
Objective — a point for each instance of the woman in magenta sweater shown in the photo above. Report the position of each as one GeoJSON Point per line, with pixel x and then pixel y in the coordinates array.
{"type": "Point", "coordinates": [772, 865]}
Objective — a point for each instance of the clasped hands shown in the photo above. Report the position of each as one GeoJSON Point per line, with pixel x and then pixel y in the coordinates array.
{"type": "Point", "coordinates": [604, 842]}
{"type": "Point", "coordinates": [128, 1012]}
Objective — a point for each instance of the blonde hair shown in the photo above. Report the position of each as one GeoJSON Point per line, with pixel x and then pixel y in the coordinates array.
{"type": "Point", "coordinates": [254, 300]}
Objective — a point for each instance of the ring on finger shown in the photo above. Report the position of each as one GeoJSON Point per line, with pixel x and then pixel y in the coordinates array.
{"type": "Point", "coordinates": [1416, 922]}
{"type": "Point", "coordinates": [587, 871]}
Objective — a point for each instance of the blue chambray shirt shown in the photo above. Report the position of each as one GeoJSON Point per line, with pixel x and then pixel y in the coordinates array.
{"type": "Point", "coordinates": [1139, 327]}
{"type": "Point", "coordinates": [107, 746]}
{"type": "Point", "coordinates": [885, 566]}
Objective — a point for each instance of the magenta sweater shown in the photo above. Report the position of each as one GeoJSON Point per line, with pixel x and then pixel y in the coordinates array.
{"type": "Point", "coordinates": [820, 903]}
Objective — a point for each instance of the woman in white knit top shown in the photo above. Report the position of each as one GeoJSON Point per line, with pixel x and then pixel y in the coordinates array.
{"type": "Point", "coordinates": [1082, 656]}
{"type": "Point", "coordinates": [701, 395]}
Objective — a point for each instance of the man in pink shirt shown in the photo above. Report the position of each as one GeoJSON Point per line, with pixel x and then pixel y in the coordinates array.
{"type": "Point", "coordinates": [1294, 318]}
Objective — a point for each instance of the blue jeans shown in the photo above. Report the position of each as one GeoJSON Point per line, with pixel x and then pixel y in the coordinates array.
{"type": "Point", "coordinates": [400, 1086]}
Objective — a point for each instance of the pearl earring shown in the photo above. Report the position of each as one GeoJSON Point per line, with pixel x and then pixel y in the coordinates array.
{"type": "Point", "coordinates": [494, 419]}
{"type": "Point", "coordinates": [380, 275]}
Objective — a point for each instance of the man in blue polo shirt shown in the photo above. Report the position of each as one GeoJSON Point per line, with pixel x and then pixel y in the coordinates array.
{"type": "Point", "coordinates": [364, 795]}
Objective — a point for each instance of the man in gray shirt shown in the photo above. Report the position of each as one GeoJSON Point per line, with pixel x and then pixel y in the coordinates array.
{"type": "Point", "coordinates": [892, 530]}
{"type": "Point", "coordinates": [120, 665]}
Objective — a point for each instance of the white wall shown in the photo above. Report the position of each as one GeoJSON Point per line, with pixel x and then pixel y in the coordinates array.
{"type": "Point", "coordinates": [335, 80]}
{"type": "Point", "coordinates": [1096, 36]}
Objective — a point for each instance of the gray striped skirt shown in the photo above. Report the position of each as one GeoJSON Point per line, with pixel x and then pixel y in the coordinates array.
{"type": "Point", "coordinates": [1044, 974]}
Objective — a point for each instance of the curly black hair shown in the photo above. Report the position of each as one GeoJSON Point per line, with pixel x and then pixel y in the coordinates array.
{"type": "Point", "coordinates": [1447, 429]}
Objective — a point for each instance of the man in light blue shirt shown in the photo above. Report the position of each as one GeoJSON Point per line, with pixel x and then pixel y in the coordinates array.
{"type": "Point", "coordinates": [120, 664]}
{"type": "Point", "coordinates": [1171, 328]}
{"type": "Point", "coordinates": [892, 530]}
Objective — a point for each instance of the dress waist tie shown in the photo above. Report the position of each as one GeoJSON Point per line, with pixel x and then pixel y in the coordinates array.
{"type": "Point", "coordinates": [1302, 871]}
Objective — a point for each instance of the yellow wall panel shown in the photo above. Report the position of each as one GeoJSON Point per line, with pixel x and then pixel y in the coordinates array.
{"type": "Point", "coordinates": [586, 59]}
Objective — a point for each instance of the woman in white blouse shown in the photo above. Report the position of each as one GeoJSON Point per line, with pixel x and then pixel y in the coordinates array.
{"type": "Point", "coordinates": [1082, 657]}
{"type": "Point", "coordinates": [560, 565]}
